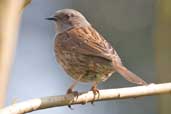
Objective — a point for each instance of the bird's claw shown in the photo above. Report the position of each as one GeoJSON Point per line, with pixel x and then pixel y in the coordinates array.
{"type": "Point", "coordinates": [95, 92]}
{"type": "Point", "coordinates": [75, 93]}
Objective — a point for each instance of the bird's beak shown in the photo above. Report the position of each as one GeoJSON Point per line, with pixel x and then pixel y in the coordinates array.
{"type": "Point", "coordinates": [51, 18]}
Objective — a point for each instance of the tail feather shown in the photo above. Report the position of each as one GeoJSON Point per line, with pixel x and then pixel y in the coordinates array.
{"type": "Point", "coordinates": [128, 75]}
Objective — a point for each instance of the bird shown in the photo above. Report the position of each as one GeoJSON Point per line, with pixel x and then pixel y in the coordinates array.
{"type": "Point", "coordinates": [84, 53]}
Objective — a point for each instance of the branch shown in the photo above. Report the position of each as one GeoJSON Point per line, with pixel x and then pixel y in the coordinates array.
{"type": "Point", "coordinates": [9, 24]}
{"type": "Point", "coordinates": [84, 97]}
{"type": "Point", "coordinates": [25, 4]}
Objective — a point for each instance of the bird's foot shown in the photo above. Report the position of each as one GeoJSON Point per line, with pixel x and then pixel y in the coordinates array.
{"type": "Point", "coordinates": [95, 92]}
{"type": "Point", "coordinates": [75, 93]}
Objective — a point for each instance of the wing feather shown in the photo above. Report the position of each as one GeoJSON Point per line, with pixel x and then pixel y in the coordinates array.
{"type": "Point", "coordinates": [86, 41]}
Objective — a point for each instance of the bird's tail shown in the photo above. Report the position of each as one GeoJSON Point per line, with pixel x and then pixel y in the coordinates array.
{"type": "Point", "coordinates": [127, 74]}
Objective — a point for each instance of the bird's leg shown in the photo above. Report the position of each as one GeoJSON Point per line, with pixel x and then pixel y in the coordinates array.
{"type": "Point", "coordinates": [70, 90]}
{"type": "Point", "coordinates": [95, 91]}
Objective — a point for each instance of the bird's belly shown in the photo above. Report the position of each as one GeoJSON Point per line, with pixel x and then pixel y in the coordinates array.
{"type": "Point", "coordinates": [90, 68]}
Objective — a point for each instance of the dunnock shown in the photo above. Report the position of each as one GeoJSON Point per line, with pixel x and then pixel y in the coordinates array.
{"type": "Point", "coordinates": [85, 54]}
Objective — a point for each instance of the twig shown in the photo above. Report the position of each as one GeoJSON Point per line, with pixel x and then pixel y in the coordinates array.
{"type": "Point", "coordinates": [83, 98]}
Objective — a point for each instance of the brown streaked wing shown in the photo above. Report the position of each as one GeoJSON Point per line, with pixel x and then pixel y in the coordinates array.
{"type": "Point", "coordinates": [86, 40]}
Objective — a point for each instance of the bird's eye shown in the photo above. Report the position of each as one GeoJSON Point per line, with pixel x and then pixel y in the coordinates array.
{"type": "Point", "coordinates": [66, 16]}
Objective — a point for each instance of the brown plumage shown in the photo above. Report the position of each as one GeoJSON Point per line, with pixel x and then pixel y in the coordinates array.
{"type": "Point", "coordinates": [84, 54]}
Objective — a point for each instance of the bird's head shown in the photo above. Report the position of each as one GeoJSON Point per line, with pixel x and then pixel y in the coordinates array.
{"type": "Point", "coordinates": [68, 18]}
